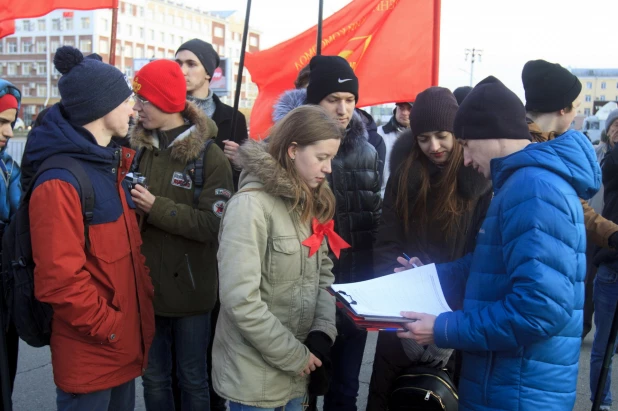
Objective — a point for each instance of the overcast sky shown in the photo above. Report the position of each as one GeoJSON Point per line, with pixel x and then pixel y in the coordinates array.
{"type": "Point", "coordinates": [510, 32]}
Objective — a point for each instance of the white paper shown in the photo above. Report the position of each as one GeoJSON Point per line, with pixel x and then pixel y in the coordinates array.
{"type": "Point", "coordinates": [415, 290]}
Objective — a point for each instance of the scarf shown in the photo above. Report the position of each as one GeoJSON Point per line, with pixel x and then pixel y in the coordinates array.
{"type": "Point", "coordinates": [207, 105]}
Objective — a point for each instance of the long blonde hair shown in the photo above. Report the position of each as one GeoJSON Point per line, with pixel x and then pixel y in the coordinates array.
{"type": "Point", "coordinates": [304, 126]}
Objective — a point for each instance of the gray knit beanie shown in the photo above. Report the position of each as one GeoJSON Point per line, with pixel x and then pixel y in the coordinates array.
{"type": "Point", "coordinates": [613, 116]}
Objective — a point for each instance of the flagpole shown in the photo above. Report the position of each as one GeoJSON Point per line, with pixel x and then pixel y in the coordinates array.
{"type": "Point", "coordinates": [436, 42]}
{"type": "Point", "coordinates": [112, 45]}
{"type": "Point", "coordinates": [319, 40]}
{"type": "Point", "coordinates": [241, 65]}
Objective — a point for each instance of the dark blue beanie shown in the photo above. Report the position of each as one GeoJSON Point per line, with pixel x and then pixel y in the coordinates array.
{"type": "Point", "coordinates": [89, 88]}
{"type": "Point", "coordinates": [491, 111]}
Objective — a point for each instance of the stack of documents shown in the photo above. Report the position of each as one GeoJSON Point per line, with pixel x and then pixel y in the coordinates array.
{"type": "Point", "coordinates": [378, 303]}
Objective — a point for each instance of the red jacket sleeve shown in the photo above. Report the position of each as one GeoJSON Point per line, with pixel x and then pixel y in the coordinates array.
{"type": "Point", "coordinates": [60, 278]}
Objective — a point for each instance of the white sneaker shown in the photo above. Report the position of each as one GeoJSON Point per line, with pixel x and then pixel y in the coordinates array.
{"type": "Point", "coordinates": [604, 408]}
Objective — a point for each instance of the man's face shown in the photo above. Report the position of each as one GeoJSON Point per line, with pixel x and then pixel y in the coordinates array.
{"type": "Point", "coordinates": [149, 115]}
{"type": "Point", "coordinates": [340, 106]}
{"type": "Point", "coordinates": [479, 153]}
{"type": "Point", "coordinates": [117, 120]}
{"type": "Point", "coordinates": [196, 76]}
{"type": "Point", "coordinates": [612, 133]}
{"type": "Point", "coordinates": [402, 114]}
{"type": "Point", "coordinates": [568, 117]}
{"type": "Point", "coordinates": [6, 131]}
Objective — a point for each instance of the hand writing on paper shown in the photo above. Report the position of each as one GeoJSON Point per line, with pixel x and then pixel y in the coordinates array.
{"type": "Point", "coordinates": [420, 330]}
{"type": "Point", "coordinates": [407, 264]}
{"type": "Point", "coordinates": [314, 363]}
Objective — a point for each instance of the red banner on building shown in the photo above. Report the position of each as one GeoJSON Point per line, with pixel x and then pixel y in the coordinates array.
{"type": "Point", "coordinates": [7, 28]}
{"type": "Point", "coordinates": [23, 9]}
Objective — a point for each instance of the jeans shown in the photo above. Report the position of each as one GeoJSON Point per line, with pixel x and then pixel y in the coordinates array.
{"type": "Point", "coordinates": [191, 336]}
{"type": "Point", "coordinates": [120, 398]}
{"type": "Point", "coordinates": [605, 298]}
{"type": "Point", "coordinates": [294, 405]}
{"type": "Point", "coordinates": [347, 357]}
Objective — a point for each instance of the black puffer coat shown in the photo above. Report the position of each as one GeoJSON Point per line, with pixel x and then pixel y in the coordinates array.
{"type": "Point", "coordinates": [609, 166]}
{"type": "Point", "coordinates": [355, 180]}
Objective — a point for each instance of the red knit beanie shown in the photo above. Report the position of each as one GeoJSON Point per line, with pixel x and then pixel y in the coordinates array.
{"type": "Point", "coordinates": [162, 83]}
{"type": "Point", "coordinates": [8, 101]}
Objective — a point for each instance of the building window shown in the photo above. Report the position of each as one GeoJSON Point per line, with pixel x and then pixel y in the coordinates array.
{"type": "Point", "coordinates": [69, 42]}
{"type": "Point", "coordinates": [117, 49]}
{"type": "Point", "coordinates": [11, 69]}
{"type": "Point", "coordinates": [56, 24]}
{"type": "Point", "coordinates": [152, 35]}
{"type": "Point", "coordinates": [141, 33]}
{"type": "Point", "coordinates": [162, 37]}
{"type": "Point", "coordinates": [85, 46]}
{"type": "Point", "coordinates": [130, 29]}
{"type": "Point", "coordinates": [602, 98]}
{"type": "Point", "coordinates": [170, 54]}
{"type": "Point", "coordinates": [128, 51]}
{"type": "Point", "coordinates": [12, 47]}
{"type": "Point", "coordinates": [41, 90]}
{"type": "Point", "coordinates": [27, 25]}
{"type": "Point", "coordinates": [150, 14]}
{"type": "Point", "coordinates": [54, 44]}
{"type": "Point", "coordinates": [41, 24]}
{"type": "Point", "coordinates": [181, 40]}
{"type": "Point", "coordinates": [218, 32]}
{"type": "Point", "coordinates": [128, 71]}
{"type": "Point", "coordinates": [105, 24]}
{"type": "Point", "coordinates": [139, 52]}
{"type": "Point", "coordinates": [41, 47]}
{"type": "Point", "coordinates": [26, 47]}
{"type": "Point", "coordinates": [68, 23]}
{"type": "Point", "coordinates": [589, 85]}
{"type": "Point", "coordinates": [172, 38]}
{"type": "Point", "coordinates": [122, 7]}
{"type": "Point", "coordinates": [41, 69]}
{"type": "Point", "coordinates": [26, 68]}
{"type": "Point", "coordinates": [586, 111]}
{"type": "Point", "coordinates": [103, 46]}
{"type": "Point", "coordinates": [85, 22]}
{"type": "Point", "coordinates": [159, 54]}
{"type": "Point", "coordinates": [141, 12]}
{"type": "Point", "coordinates": [181, 21]}
{"type": "Point", "coordinates": [26, 91]}
{"type": "Point", "coordinates": [588, 97]}
{"type": "Point", "coordinates": [603, 85]}
{"type": "Point", "coordinates": [253, 41]}
{"type": "Point", "coordinates": [118, 28]}
{"type": "Point", "coordinates": [55, 92]}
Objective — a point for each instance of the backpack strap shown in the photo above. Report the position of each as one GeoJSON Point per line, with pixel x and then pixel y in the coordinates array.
{"type": "Point", "coordinates": [86, 191]}
{"type": "Point", "coordinates": [136, 159]}
{"type": "Point", "coordinates": [199, 176]}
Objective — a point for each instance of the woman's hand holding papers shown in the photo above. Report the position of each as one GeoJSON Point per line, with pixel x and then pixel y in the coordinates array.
{"type": "Point", "coordinates": [421, 330]}
{"type": "Point", "coordinates": [408, 264]}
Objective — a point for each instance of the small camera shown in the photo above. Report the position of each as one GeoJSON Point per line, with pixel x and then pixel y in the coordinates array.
{"type": "Point", "coordinates": [134, 179]}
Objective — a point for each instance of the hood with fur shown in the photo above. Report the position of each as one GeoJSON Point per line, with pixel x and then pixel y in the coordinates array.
{"type": "Point", "coordinates": [188, 145]}
{"type": "Point", "coordinates": [470, 184]}
{"type": "Point", "coordinates": [260, 167]}
{"type": "Point", "coordinates": [291, 99]}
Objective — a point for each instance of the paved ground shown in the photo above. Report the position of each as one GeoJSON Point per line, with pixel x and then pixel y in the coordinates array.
{"type": "Point", "coordinates": [35, 390]}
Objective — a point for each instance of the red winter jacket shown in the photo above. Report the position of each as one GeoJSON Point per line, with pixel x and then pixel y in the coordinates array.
{"type": "Point", "coordinates": [103, 322]}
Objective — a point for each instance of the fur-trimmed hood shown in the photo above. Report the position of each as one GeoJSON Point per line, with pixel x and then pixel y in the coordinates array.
{"type": "Point", "coordinates": [260, 167]}
{"type": "Point", "coordinates": [291, 99]}
{"type": "Point", "coordinates": [188, 145]}
{"type": "Point", "coordinates": [470, 184]}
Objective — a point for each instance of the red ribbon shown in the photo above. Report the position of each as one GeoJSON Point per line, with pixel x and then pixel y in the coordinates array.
{"type": "Point", "coordinates": [327, 229]}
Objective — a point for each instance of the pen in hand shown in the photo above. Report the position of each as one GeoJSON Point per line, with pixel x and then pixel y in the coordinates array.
{"type": "Point", "coordinates": [408, 258]}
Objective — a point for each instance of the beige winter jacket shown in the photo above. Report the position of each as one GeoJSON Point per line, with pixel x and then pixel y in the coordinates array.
{"type": "Point", "coordinates": [272, 293]}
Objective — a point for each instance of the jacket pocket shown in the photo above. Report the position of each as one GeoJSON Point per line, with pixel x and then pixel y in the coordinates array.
{"type": "Point", "coordinates": [109, 242]}
{"type": "Point", "coordinates": [285, 259]}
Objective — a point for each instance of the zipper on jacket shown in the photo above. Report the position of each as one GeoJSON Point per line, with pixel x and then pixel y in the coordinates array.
{"type": "Point", "coordinates": [487, 371]}
{"type": "Point", "coordinates": [428, 394]}
{"type": "Point", "coordinates": [446, 384]}
{"type": "Point", "coordinates": [190, 271]}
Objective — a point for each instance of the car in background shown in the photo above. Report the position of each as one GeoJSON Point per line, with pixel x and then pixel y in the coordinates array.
{"type": "Point", "coordinates": [19, 125]}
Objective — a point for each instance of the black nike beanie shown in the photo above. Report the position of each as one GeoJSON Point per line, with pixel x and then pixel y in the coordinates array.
{"type": "Point", "coordinates": [330, 74]}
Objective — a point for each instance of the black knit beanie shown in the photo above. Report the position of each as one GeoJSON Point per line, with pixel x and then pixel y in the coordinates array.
{"type": "Point", "coordinates": [204, 52]}
{"type": "Point", "coordinates": [330, 74]}
{"type": "Point", "coordinates": [491, 111]}
{"type": "Point", "coordinates": [549, 87]}
{"type": "Point", "coordinates": [433, 110]}
{"type": "Point", "coordinates": [461, 92]}
{"type": "Point", "coordinates": [89, 88]}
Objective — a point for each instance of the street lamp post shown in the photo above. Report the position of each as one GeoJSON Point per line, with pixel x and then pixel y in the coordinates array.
{"type": "Point", "coordinates": [473, 53]}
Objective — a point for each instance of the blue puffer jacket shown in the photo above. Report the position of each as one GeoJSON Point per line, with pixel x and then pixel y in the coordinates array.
{"type": "Point", "coordinates": [521, 325]}
{"type": "Point", "coordinates": [10, 188]}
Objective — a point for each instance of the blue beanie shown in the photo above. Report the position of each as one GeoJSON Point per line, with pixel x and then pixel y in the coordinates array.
{"type": "Point", "coordinates": [89, 88]}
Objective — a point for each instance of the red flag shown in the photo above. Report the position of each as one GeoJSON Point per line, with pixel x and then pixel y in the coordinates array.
{"type": "Point", "coordinates": [392, 45]}
{"type": "Point", "coordinates": [11, 10]}
{"type": "Point", "coordinates": [7, 28]}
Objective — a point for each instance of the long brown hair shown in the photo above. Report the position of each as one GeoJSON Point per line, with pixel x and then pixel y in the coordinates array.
{"type": "Point", "coordinates": [305, 126]}
{"type": "Point", "coordinates": [449, 206]}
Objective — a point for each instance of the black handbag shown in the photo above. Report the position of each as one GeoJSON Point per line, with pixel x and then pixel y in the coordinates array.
{"type": "Point", "coordinates": [423, 388]}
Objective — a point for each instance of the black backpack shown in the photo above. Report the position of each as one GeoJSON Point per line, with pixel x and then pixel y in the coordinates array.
{"type": "Point", "coordinates": [31, 317]}
{"type": "Point", "coordinates": [423, 388]}
{"type": "Point", "coordinates": [194, 169]}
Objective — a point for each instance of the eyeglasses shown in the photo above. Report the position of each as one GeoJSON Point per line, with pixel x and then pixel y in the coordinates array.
{"type": "Point", "coordinates": [137, 98]}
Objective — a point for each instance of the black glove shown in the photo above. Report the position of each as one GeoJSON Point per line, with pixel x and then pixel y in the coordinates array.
{"type": "Point", "coordinates": [613, 240]}
{"type": "Point", "coordinates": [319, 344]}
